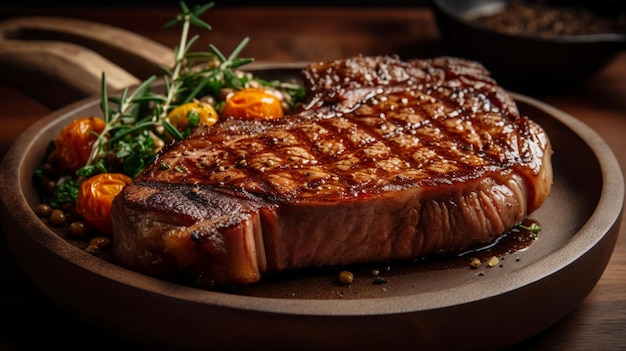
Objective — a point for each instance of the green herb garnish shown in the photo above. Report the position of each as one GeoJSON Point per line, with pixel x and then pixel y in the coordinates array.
{"type": "Point", "coordinates": [136, 124]}
{"type": "Point", "coordinates": [533, 228]}
{"type": "Point", "coordinates": [136, 121]}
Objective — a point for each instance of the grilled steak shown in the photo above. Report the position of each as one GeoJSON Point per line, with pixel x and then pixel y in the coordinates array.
{"type": "Point", "coordinates": [387, 160]}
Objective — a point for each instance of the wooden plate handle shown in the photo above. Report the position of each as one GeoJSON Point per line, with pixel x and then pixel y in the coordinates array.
{"type": "Point", "coordinates": [60, 60]}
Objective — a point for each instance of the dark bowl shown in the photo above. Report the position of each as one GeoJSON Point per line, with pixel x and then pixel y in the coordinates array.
{"type": "Point", "coordinates": [523, 62]}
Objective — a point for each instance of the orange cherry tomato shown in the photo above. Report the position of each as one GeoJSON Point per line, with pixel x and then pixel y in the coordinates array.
{"type": "Point", "coordinates": [74, 142]}
{"type": "Point", "coordinates": [253, 103]}
{"type": "Point", "coordinates": [95, 196]}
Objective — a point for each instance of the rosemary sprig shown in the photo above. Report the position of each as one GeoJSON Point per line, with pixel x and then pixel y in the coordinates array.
{"type": "Point", "coordinates": [136, 122]}
{"type": "Point", "coordinates": [123, 115]}
{"type": "Point", "coordinates": [112, 120]}
{"type": "Point", "coordinates": [187, 17]}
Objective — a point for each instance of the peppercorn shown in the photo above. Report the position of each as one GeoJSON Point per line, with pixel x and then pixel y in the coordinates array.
{"type": "Point", "coordinates": [346, 277]}
{"type": "Point", "coordinates": [101, 242]}
{"type": "Point", "coordinates": [57, 217]}
{"type": "Point", "coordinates": [380, 280]}
{"type": "Point", "coordinates": [43, 210]}
{"type": "Point", "coordinates": [78, 229]}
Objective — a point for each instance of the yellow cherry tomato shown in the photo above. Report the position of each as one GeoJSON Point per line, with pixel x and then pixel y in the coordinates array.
{"type": "Point", "coordinates": [179, 116]}
{"type": "Point", "coordinates": [74, 142]}
{"type": "Point", "coordinates": [253, 103]}
{"type": "Point", "coordinates": [95, 197]}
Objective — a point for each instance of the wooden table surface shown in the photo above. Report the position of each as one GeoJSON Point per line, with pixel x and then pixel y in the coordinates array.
{"type": "Point", "coordinates": [310, 34]}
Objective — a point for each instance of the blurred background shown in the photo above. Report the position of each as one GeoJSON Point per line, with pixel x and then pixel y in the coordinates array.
{"type": "Point", "coordinates": [225, 3]}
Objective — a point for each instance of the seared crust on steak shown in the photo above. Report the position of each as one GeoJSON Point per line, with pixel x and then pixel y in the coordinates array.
{"type": "Point", "coordinates": [387, 160]}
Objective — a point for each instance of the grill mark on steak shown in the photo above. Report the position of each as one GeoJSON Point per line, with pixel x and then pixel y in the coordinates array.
{"type": "Point", "coordinates": [387, 160]}
{"type": "Point", "coordinates": [361, 143]}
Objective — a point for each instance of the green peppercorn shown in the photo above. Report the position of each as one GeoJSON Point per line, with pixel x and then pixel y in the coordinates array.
{"type": "Point", "coordinates": [101, 242]}
{"type": "Point", "coordinates": [57, 217]}
{"type": "Point", "coordinates": [346, 277]}
{"type": "Point", "coordinates": [78, 229]}
{"type": "Point", "coordinates": [43, 210]}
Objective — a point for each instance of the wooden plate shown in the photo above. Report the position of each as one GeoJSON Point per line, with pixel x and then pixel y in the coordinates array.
{"type": "Point", "coordinates": [438, 304]}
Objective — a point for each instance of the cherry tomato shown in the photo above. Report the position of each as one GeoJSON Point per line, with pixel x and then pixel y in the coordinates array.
{"type": "Point", "coordinates": [74, 142]}
{"type": "Point", "coordinates": [95, 196]}
{"type": "Point", "coordinates": [179, 117]}
{"type": "Point", "coordinates": [253, 103]}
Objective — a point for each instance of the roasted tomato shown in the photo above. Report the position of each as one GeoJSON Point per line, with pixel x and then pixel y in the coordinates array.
{"type": "Point", "coordinates": [180, 116]}
{"type": "Point", "coordinates": [253, 103]}
{"type": "Point", "coordinates": [95, 196]}
{"type": "Point", "coordinates": [74, 142]}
